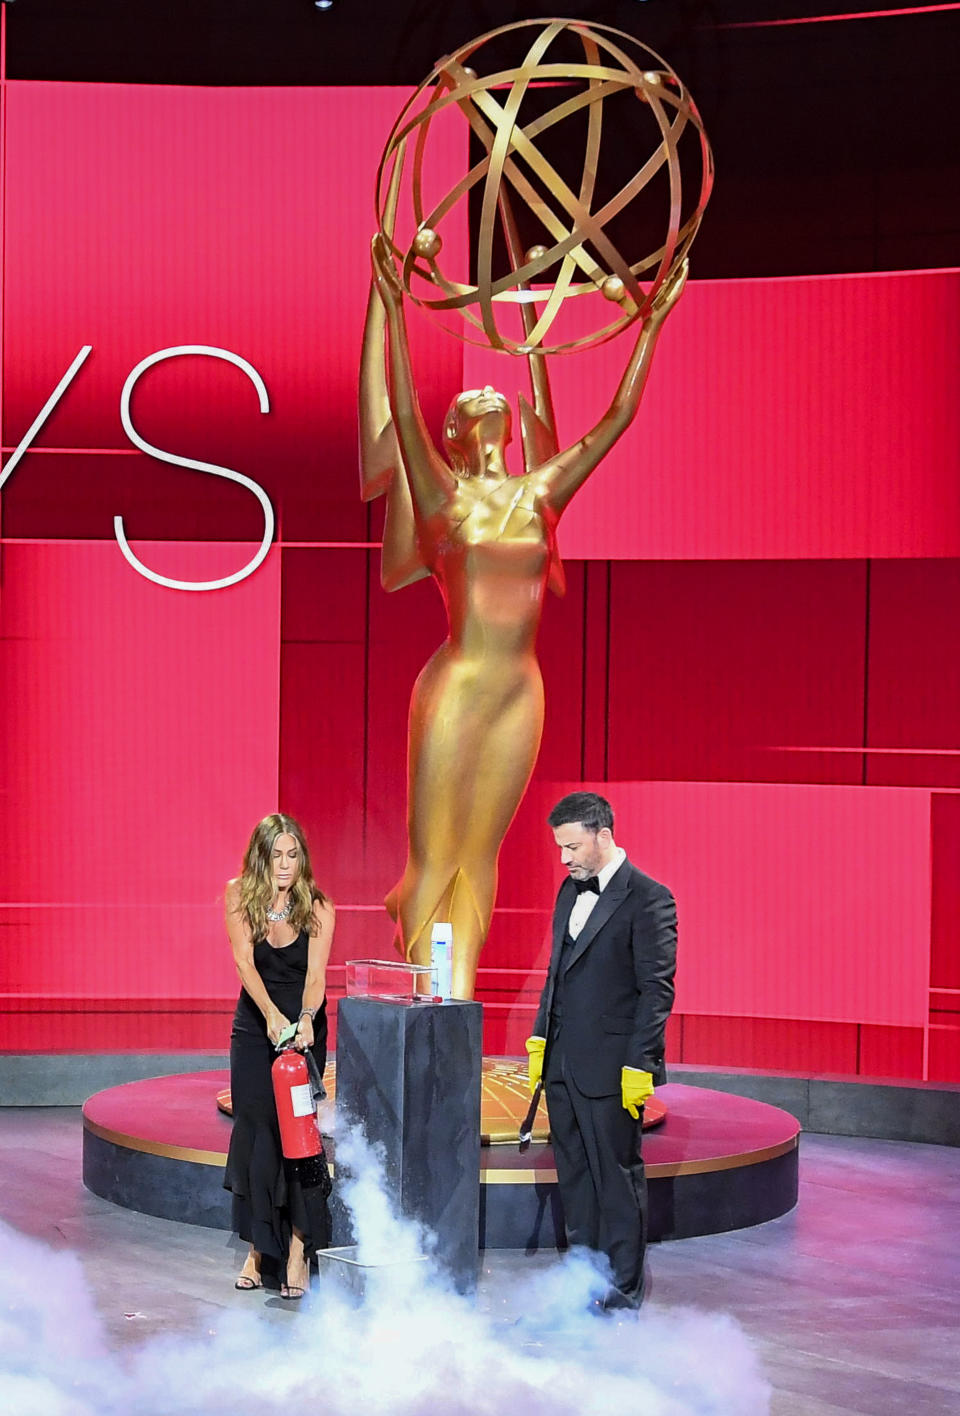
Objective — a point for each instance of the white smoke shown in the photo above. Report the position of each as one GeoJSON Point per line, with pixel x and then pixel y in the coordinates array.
{"type": "Point", "coordinates": [382, 1237]}
{"type": "Point", "coordinates": [411, 1347]}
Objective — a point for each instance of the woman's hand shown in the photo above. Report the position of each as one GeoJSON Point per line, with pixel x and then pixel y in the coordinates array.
{"type": "Point", "coordinates": [304, 1037]}
{"type": "Point", "coordinates": [276, 1023]}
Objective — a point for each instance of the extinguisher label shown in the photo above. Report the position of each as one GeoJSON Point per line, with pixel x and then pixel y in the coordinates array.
{"type": "Point", "coordinates": [301, 1099]}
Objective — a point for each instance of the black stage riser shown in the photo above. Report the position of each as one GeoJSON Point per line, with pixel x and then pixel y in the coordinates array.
{"type": "Point", "coordinates": [512, 1216]}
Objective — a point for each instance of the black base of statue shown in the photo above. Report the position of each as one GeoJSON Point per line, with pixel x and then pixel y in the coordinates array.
{"type": "Point", "coordinates": [411, 1075]}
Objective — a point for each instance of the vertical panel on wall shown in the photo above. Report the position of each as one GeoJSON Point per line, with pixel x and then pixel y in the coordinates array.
{"type": "Point", "coordinates": [674, 1038]}
{"type": "Point", "coordinates": [324, 598]}
{"type": "Point", "coordinates": [944, 1056]}
{"type": "Point", "coordinates": [890, 1052]}
{"type": "Point", "coordinates": [781, 420]}
{"type": "Point", "coordinates": [560, 650]}
{"type": "Point", "coordinates": [597, 675]}
{"type": "Point", "coordinates": [794, 901]}
{"type": "Point", "coordinates": [945, 899]}
{"type": "Point", "coordinates": [406, 628]}
{"type": "Point", "coordinates": [139, 741]}
{"type": "Point", "coordinates": [914, 684]}
{"type": "Point", "coordinates": [737, 670]}
{"type": "Point", "coordinates": [770, 1044]}
{"type": "Point", "coordinates": [322, 698]}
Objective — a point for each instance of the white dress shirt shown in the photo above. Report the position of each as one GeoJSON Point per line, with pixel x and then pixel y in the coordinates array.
{"type": "Point", "coordinates": [585, 901]}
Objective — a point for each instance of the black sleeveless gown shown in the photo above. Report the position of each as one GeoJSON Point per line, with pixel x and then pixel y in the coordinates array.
{"type": "Point", "coordinates": [271, 1195]}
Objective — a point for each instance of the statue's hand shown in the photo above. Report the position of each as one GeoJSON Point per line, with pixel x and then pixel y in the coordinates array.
{"type": "Point", "coordinates": [668, 294]}
{"type": "Point", "coordinates": [385, 276]}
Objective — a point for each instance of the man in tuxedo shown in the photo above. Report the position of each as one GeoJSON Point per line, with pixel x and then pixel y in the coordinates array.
{"type": "Point", "coordinates": [598, 1038]}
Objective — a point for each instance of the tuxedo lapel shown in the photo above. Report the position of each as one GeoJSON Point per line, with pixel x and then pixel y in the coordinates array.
{"type": "Point", "coordinates": [561, 916]}
{"type": "Point", "coordinates": [608, 902]}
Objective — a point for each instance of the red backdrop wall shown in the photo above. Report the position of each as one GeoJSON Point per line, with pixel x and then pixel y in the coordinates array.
{"type": "Point", "coordinates": [755, 653]}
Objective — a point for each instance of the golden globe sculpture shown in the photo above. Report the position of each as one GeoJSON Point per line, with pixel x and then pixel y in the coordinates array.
{"type": "Point", "coordinates": [582, 71]}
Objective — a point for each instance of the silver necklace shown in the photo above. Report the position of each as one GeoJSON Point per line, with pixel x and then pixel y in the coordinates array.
{"type": "Point", "coordinates": [275, 916]}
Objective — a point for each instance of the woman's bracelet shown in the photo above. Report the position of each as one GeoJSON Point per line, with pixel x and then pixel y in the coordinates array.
{"type": "Point", "coordinates": [310, 1013]}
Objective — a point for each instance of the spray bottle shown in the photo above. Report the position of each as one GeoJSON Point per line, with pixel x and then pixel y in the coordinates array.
{"type": "Point", "coordinates": [441, 960]}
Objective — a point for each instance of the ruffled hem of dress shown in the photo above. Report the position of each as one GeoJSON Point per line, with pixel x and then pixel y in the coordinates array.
{"type": "Point", "coordinates": [284, 1203]}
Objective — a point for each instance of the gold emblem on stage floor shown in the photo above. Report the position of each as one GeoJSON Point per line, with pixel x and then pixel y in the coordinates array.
{"type": "Point", "coordinates": [504, 1098]}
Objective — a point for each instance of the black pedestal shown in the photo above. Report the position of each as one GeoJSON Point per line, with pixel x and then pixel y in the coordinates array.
{"type": "Point", "coordinates": [411, 1075]}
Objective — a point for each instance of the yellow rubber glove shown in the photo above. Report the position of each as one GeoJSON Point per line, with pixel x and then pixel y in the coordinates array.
{"type": "Point", "coordinates": [636, 1087]}
{"type": "Point", "coordinates": [535, 1046]}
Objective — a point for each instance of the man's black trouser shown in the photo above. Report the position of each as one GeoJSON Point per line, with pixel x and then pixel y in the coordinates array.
{"type": "Point", "coordinates": [596, 1146]}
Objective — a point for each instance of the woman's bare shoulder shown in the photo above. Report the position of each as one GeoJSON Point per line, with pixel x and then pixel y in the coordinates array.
{"type": "Point", "coordinates": [231, 894]}
{"type": "Point", "coordinates": [323, 908]}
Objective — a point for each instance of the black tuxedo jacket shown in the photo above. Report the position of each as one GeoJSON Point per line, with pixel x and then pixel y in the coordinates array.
{"type": "Point", "coordinates": [617, 983]}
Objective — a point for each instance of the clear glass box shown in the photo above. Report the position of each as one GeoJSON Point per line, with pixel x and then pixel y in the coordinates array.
{"type": "Point", "coordinates": [397, 982]}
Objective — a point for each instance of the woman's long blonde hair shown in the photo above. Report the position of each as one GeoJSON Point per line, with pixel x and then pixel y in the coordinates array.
{"type": "Point", "coordinates": [258, 887]}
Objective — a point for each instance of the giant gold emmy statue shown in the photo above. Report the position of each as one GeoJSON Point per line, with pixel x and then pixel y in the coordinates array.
{"type": "Point", "coordinates": [455, 512]}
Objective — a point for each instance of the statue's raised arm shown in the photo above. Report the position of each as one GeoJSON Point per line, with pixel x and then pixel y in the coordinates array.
{"type": "Point", "coordinates": [380, 460]}
{"type": "Point", "coordinates": [563, 475]}
{"type": "Point", "coordinates": [398, 467]}
{"type": "Point", "coordinates": [430, 478]}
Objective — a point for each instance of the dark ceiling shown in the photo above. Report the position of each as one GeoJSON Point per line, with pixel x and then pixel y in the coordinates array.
{"type": "Point", "coordinates": [835, 140]}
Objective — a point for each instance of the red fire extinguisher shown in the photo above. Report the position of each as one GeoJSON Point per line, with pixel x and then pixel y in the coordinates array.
{"type": "Point", "coordinates": [296, 1092]}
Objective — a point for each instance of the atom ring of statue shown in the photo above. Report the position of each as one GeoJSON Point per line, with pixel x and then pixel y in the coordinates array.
{"type": "Point", "coordinates": [547, 236]}
{"type": "Point", "coordinates": [595, 81]}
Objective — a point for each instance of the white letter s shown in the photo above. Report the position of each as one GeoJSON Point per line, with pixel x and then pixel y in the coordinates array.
{"type": "Point", "coordinates": [192, 464]}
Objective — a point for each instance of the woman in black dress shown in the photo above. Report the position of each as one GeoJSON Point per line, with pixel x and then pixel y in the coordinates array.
{"type": "Point", "coordinates": [280, 926]}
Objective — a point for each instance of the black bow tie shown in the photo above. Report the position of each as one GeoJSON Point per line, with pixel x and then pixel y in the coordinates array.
{"type": "Point", "coordinates": [591, 883]}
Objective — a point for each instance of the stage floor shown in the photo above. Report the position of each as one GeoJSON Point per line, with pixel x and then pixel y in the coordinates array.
{"type": "Point", "coordinates": [852, 1301]}
{"type": "Point", "coordinates": [717, 1162]}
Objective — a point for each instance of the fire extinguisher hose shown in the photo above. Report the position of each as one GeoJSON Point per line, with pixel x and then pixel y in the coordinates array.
{"type": "Point", "coordinates": [317, 1089]}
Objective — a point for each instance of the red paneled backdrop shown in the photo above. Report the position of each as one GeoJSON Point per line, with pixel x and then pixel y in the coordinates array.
{"type": "Point", "coordinates": [808, 417]}
{"type": "Point", "coordinates": [756, 652]}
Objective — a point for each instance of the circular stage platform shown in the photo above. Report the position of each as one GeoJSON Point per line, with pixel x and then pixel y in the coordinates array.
{"type": "Point", "coordinates": [716, 1162]}
{"type": "Point", "coordinates": [504, 1101]}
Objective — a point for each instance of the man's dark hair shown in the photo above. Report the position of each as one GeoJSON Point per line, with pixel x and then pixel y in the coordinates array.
{"type": "Point", "coordinates": [591, 811]}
